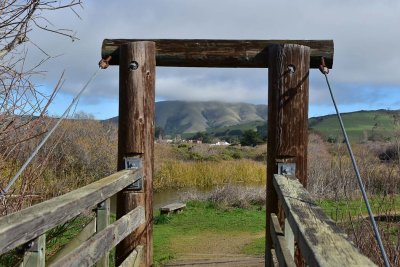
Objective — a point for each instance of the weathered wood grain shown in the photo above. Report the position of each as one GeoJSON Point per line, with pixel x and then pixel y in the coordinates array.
{"type": "Point", "coordinates": [136, 138]}
{"type": "Point", "coordinates": [83, 235]}
{"type": "Point", "coordinates": [102, 221]}
{"type": "Point", "coordinates": [320, 241]}
{"type": "Point", "coordinates": [219, 53]}
{"type": "Point", "coordinates": [287, 117]}
{"type": "Point", "coordinates": [280, 244]}
{"type": "Point", "coordinates": [134, 259]}
{"type": "Point", "coordinates": [89, 252]}
{"type": "Point", "coordinates": [25, 225]}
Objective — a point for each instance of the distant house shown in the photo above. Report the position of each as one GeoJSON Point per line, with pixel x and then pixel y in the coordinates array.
{"type": "Point", "coordinates": [195, 141]}
{"type": "Point", "coordinates": [220, 143]}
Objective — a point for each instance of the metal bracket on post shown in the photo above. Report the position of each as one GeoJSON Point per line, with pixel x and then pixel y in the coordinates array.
{"type": "Point", "coordinates": [134, 163]}
{"type": "Point", "coordinates": [285, 168]}
{"type": "Point", "coordinates": [35, 252]}
{"type": "Point", "coordinates": [101, 205]}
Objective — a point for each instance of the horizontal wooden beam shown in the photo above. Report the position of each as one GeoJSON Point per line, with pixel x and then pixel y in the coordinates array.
{"type": "Point", "coordinates": [90, 251]}
{"type": "Point", "coordinates": [27, 224]}
{"type": "Point", "coordinates": [320, 241]}
{"type": "Point", "coordinates": [219, 53]}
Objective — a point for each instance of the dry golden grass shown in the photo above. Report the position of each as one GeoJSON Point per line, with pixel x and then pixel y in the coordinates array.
{"type": "Point", "coordinates": [206, 174]}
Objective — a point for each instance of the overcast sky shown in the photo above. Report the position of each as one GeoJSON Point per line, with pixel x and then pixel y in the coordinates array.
{"type": "Point", "coordinates": [365, 75]}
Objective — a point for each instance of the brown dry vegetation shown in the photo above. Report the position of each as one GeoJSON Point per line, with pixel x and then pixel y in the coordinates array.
{"type": "Point", "coordinates": [331, 176]}
{"type": "Point", "coordinates": [80, 152]}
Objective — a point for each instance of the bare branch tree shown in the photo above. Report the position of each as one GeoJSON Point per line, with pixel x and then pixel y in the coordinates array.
{"type": "Point", "coordinates": [23, 106]}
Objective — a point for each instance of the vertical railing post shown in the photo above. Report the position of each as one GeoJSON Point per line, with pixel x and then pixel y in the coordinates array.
{"type": "Point", "coordinates": [136, 138]}
{"type": "Point", "coordinates": [288, 71]}
{"type": "Point", "coordinates": [102, 221]}
{"type": "Point", "coordinates": [35, 256]}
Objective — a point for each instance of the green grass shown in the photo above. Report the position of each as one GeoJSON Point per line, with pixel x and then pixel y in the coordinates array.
{"type": "Point", "coordinates": [256, 247]}
{"type": "Point", "coordinates": [339, 210]}
{"type": "Point", "coordinates": [201, 217]}
{"type": "Point", "coordinates": [377, 125]}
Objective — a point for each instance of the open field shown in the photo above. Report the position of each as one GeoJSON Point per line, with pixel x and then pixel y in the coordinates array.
{"type": "Point", "coordinates": [208, 229]}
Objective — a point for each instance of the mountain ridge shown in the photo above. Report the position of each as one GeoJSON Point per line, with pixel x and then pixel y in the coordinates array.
{"type": "Point", "coordinates": [183, 117]}
{"type": "Point", "coordinates": [177, 117]}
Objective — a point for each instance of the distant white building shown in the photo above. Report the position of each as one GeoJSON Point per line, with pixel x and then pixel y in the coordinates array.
{"type": "Point", "coordinates": [190, 141]}
{"type": "Point", "coordinates": [220, 143]}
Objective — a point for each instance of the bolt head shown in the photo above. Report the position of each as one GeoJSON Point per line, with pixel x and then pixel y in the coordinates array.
{"type": "Point", "coordinates": [133, 65]}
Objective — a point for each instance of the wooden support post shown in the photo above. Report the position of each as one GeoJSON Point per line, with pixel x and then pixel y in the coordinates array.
{"type": "Point", "coordinates": [102, 221]}
{"type": "Point", "coordinates": [287, 118]}
{"type": "Point", "coordinates": [87, 232]}
{"type": "Point", "coordinates": [137, 64]}
{"type": "Point", "coordinates": [35, 256]}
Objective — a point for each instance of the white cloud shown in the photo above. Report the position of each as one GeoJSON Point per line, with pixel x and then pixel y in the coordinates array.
{"type": "Point", "coordinates": [366, 36]}
{"type": "Point", "coordinates": [201, 89]}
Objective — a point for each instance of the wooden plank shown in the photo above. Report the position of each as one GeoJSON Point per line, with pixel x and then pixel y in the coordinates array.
{"type": "Point", "coordinates": [136, 138]}
{"type": "Point", "coordinates": [280, 244]}
{"type": "Point", "coordinates": [25, 225]}
{"type": "Point", "coordinates": [287, 117]}
{"type": "Point", "coordinates": [134, 259]}
{"type": "Point", "coordinates": [219, 53]}
{"type": "Point", "coordinates": [320, 241]}
{"type": "Point", "coordinates": [289, 237]}
{"type": "Point", "coordinates": [83, 235]}
{"type": "Point", "coordinates": [102, 221]}
{"type": "Point", "coordinates": [173, 207]}
{"type": "Point", "coordinates": [89, 252]}
{"type": "Point", "coordinates": [36, 255]}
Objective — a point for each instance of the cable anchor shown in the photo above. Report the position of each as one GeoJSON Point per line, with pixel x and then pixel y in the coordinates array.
{"type": "Point", "coordinates": [322, 67]}
{"type": "Point", "coordinates": [104, 62]}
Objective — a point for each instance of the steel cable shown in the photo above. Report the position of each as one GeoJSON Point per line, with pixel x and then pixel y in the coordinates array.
{"type": "Point", "coordinates": [34, 153]}
{"type": "Point", "coordinates": [358, 175]}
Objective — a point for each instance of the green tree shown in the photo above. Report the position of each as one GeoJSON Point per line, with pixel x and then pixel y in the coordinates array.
{"type": "Point", "coordinates": [250, 138]}
{"type": "Point", "coordinates": [204, 137]}
{"type": "Point", "coordinates": [159, 131]}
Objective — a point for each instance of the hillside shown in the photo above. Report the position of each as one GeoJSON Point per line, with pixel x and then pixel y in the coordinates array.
{"type": "Point", "coordinates": [228, 119]}
{"type": "Point", "coordinates": [177, 117]}
{"type": "Point", "coordinates": [360, 125]}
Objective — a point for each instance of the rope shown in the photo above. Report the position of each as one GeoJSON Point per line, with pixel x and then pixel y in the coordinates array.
{"type": "Point", "coordinates": [378, 238]}
{"type": "Point", "coordinates": [34, 153]}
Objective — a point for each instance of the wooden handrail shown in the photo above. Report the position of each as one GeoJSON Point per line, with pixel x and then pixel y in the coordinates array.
{"type": "Point", "coordinates": [27, 224]}
{"type": "Point", "coordinates": [321, 242]}
{"type": "Point", "coordinates": [90, 251]}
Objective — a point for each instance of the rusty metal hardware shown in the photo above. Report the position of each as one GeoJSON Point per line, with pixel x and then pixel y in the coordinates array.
{"type": "Point", "coordinates": [104, 62]}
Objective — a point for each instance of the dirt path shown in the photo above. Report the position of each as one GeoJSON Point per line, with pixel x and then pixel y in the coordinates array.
{"type": "Point", "coordinates": [214, 249]}
{"type": "Point", "coordinates": [220, 261]}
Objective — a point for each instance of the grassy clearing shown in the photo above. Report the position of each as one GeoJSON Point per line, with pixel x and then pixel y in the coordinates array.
{"type": "Point", "coordinates": [205, 228]}
{"type": "Point", "coordinates": [256, 247]}
{"type": "Point", "coordinates": [340, 210]}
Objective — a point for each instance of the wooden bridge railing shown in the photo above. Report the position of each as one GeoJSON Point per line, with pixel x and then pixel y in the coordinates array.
{"type": "Point", "coordinates": [309, 236]}
{"type": "Point", "coordinates": [30, 225]}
